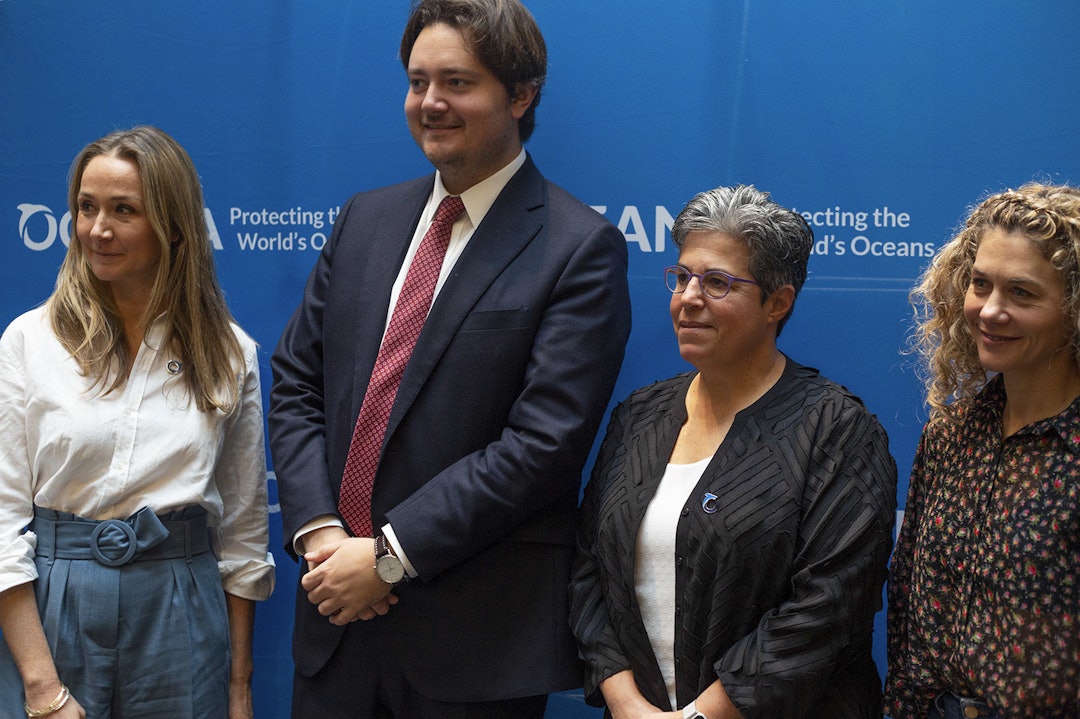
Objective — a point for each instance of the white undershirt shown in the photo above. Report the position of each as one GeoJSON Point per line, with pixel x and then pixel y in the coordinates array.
{"type": "Point", "coordinates": [654, 565]}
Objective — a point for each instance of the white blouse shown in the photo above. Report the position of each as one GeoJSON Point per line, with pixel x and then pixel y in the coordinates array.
{"type": "Point", "coordinates": [654, 562]}
{"type": "Point", "coordinates": [66, 446]}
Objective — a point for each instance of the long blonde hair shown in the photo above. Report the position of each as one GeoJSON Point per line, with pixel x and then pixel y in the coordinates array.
{"type": "Point", "coordinates": [1048, 215]}
{"type": "Point", "coordinates": [185, 290]}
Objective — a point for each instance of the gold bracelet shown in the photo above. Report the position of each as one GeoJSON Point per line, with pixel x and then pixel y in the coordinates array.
{"type": "Point", "coordinates": [57, 704]}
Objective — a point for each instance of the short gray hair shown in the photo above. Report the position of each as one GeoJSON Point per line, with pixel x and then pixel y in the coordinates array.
{"type": "Point", "coordinates": [779, 239]}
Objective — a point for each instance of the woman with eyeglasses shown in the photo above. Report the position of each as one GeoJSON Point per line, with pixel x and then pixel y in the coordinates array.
{"type": "Point", "coordinates": [736, 529]}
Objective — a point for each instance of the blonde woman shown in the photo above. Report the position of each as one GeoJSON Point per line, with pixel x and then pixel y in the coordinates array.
{"type": "Point", "coordinates": [983, 593]}
{"type": "Point", "coordinates": [133, 513]}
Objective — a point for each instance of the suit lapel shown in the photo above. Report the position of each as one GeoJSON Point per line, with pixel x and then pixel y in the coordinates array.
{"type": "Point", "coordinates": [511, 223]}
{"type": "Point", "coordinates": [387, 237]}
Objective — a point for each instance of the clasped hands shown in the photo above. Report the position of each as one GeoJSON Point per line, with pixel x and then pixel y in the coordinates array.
{"type": "Point", "coordinates": [341, 579]}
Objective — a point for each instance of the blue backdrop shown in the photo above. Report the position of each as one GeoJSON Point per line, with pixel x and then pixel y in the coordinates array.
{"type": "Point", "coordinates": [881, 121]}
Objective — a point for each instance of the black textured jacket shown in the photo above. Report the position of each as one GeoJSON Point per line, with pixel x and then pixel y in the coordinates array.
{"type": "Point", "coordinates": [777, 588]}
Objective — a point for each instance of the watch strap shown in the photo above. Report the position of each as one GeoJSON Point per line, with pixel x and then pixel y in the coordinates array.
{"type": "Point", "coordinates": [690, 711]}
{"type": "Point", "coordinates": [382, 547]}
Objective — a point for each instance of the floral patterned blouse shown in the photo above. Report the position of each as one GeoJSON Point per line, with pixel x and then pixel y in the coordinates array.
{"type": "Point", "coordinates": [984, 598]}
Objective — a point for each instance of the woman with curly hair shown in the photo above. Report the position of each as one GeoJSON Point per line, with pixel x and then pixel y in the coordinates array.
{"type": "Point", "coordinates": [133, 509]}
{"type": "Point", "coordinates": [984, 601]}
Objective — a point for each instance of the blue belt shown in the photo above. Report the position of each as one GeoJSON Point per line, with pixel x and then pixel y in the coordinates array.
{"type": "Point", "coordinates": [115, 542]}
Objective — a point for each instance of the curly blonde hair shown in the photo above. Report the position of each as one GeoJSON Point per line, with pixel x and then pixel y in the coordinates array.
{"type": "Point", "coordinates": [185, 291]}
{"type": "Point", "coordinates": [1049, 215]}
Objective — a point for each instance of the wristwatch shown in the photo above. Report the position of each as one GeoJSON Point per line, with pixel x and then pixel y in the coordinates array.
{"type": "Point", "coordinates": [387, 565]}
{"type": "Point", "coordinates": [690, 712]}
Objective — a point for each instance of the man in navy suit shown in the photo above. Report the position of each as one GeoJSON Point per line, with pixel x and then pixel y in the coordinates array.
{"type": "Point", "coordinates": [477, 481]}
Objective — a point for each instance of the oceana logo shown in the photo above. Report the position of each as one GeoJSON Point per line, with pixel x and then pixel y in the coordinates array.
{"type": "Point", "coordinates": [39, 228]}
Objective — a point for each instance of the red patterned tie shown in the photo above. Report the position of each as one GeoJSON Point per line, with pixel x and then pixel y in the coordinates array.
{"type": "Point", "coordinates": [414, 301]}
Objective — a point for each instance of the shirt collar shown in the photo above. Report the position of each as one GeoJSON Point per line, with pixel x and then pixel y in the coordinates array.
{"type": "Point", "coordinates": [479, 198]}
{"type": "Point", "coordinates": [1065, 424]}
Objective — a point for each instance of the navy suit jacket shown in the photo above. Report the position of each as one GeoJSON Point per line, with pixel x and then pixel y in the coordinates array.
{"type": "Point", "coordinates": [490, 429]}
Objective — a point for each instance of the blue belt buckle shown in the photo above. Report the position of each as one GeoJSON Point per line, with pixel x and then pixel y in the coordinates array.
{"type": "Point", "coordinates": [129, 550]}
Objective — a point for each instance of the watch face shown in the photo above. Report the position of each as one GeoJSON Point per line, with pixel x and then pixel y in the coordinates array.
{"type": "Point", "coordinates": [390, 569]}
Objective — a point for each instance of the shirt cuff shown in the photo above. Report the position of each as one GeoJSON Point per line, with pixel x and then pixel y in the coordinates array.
{"type": "Point", "coordinates": [388, 532]}
{"type": "Point", "coordinates": [248, 579]}
{"type": "Point", "coordinates": [324, 520]}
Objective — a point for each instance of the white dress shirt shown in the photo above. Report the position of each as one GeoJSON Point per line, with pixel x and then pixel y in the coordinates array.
{"type": "Point", "coordinates": [66, 446]}
{"type": "Point", "coordinates": [478, 199]}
